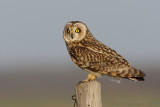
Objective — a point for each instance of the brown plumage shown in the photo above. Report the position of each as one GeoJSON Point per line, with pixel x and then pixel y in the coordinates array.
{"type": "Point", "coordinates": [95, 57]}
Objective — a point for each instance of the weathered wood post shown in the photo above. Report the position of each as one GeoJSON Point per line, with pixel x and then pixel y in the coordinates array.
{"type": "Point", "coordinates": [88, 94]}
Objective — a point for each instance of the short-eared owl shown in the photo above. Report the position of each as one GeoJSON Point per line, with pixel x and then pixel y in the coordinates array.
{"type": "Point", "coordinates": [95, 57]}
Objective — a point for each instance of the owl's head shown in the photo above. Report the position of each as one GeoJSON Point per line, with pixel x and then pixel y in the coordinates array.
{"type": "Point", "coordinates": [74, 31]}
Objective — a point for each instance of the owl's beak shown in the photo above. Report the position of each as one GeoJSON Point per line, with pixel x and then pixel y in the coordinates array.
{"type": "Point", "coordinates": [71, 35]}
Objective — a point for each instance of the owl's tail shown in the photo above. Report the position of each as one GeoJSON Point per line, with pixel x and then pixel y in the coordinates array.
{"type": "Point", "coordinates": [128, 73]}
{"type": "Point", "coordinates": [136, 75]}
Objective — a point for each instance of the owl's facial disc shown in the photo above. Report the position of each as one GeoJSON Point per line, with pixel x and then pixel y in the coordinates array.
{"type": "Point", "coordinates": [74, 31]}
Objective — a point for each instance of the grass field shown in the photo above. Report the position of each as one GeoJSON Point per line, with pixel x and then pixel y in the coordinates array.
{"type": "Point", "coordinates": [66, 101]}
{"type": "Point", "coordinates": [54, 89]}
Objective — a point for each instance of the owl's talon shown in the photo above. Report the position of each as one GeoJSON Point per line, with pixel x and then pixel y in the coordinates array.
{"type": "Point", "coordinates": [80, 82]}
{"type": "Point", "coordinates": [83, 81]}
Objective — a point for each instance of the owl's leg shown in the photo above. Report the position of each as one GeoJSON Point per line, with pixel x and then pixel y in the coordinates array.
{"type": "Point", "coordinates": [91, 77]}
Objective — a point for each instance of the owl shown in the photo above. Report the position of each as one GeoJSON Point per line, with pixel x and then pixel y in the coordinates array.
{"type": "Point", "coordinates": [94, 57]}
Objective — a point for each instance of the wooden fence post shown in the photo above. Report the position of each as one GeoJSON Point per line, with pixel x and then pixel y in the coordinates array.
{"type": "Point", "coordinates": [88, 94]}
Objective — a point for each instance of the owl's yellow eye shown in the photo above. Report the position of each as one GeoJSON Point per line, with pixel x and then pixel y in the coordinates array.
{"type": "Point", "coordinates": [77, 30]}
{"type": "Point", "coordinates": [68, 30]}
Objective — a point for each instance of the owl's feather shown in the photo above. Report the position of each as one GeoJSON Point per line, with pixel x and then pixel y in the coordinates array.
{"type": "Point", "coordinates": [93, 56]}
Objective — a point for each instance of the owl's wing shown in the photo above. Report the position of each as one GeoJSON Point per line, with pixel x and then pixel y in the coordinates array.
{"type": "Point", "coordinates": [103, 63]}
{"type": "Point", "coordinates": [96, 61]}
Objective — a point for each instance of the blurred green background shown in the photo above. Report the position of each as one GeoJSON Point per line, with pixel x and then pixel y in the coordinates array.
{"type": "Point", "coordinates": [36, 70]}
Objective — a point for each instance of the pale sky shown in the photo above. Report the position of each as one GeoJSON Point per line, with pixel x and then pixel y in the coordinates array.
{"type": "Point", "coordinates": [32, 29]}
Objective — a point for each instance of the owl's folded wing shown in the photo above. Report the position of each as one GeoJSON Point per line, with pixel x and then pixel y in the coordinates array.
{"type": "Point", "coordinates": [95, 61]}
{"type": "Point", "coordinates": [109, 64]}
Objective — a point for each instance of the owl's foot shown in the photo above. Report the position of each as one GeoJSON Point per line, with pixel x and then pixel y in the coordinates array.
{"type": "Point", "coordinates": [91, 77]}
